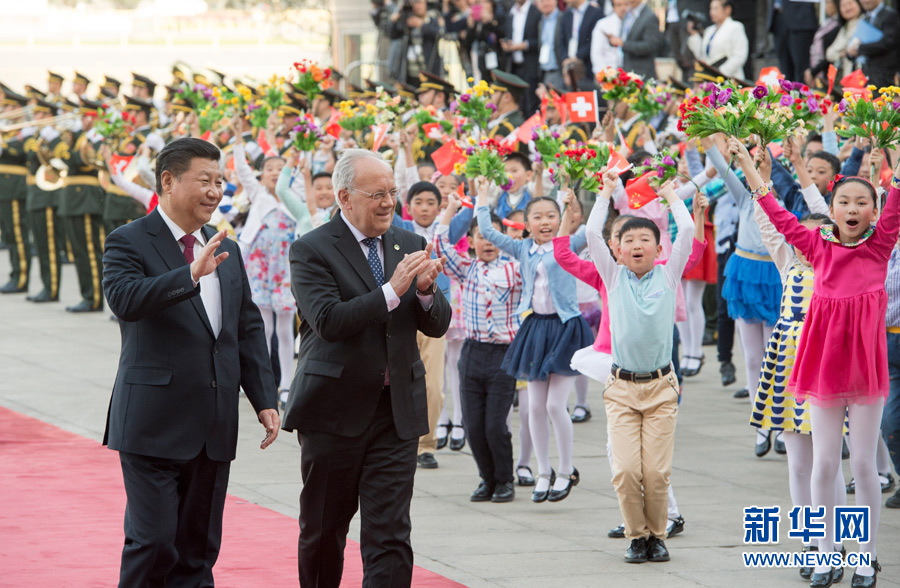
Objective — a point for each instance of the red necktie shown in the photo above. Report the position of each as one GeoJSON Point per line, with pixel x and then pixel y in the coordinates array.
{"type": "Point", "coordinates": [189, 241]}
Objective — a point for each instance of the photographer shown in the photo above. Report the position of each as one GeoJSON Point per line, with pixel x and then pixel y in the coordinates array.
{"type": "Point", "coordinates": [418, 31]}
{"type": "Point", "coordinates": [486, 27]}
{"type": "Point", "coordinates": [689, 19]}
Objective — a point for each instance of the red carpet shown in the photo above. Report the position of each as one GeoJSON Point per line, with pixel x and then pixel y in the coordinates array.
{"type": "Point", "coordinates": [61, 519]}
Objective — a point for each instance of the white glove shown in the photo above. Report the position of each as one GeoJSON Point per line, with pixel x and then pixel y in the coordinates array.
{"type": "Point", "coordinates": [49, 134]}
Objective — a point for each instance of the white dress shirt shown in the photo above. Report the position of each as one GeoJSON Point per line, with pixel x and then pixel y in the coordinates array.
{"type": "Point", "coordinates": [210, 290]}
{"type": "Point", "coordinates": [577, 18]}
{"type": "Point", "coordinates": [603, 54]}
{"type": "Point", "coordinates": [519, 16]}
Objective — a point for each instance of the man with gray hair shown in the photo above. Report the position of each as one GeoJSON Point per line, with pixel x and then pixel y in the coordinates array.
{"type": "Point", "coordinates": [358, 402]}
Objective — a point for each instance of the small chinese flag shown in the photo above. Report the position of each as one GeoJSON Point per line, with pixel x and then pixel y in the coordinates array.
{"type": "Point", "coordinates": [332, 127]}
{"type": "Point", "coordinates": [525, 131]}
{"type": "Point", "coordinates": [832, 75]}
{"type": "Point", "coordinates": [617, 162]}
{"type": "Point", "coordinates": [856, 79]}
{"type": "Point", "coordinates": [264, 145]}
{"type": "Point", "coordinates": [447, 156]}
{"type": "Point", "coordinates": [582, 106]}
{"type": "Point", "coordinates": [463, 198]}
{"type": "Point", "coordinates": [545, 101]}
{"type": "Point", "coordinates": [120, 162]}
{"type": "Point", "coordinates": [639, 192]}
{"type": "Point", "coordinates": [560, 103]}
{"type": "Point", "coordinates": [154, 202]}
{"type": "Point", "coordinates": [205, 136]}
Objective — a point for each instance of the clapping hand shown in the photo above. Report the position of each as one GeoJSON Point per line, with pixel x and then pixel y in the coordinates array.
{"type": "Point", "coordinates": [429, 270]}
{"type": "Point", "coordinates": [207, 261]}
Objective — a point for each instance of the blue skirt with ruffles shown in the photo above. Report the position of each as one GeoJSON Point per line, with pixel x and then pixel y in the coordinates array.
{"type": "Point", "coordinates": [544, 345]}
{"type": "Point", "coordinates": [752, 289]}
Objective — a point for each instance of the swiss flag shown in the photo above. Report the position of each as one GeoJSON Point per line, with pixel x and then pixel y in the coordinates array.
{"type": "Point", "coordinates": [856, 79]}
{"type": "Point", "coordinates": [617, 162]}
{"type": "Point", "coordinates": [769, 76]}
{"type": "Point", "coordinates": [446, 156]}
{"type": "Point", "coordinates": [582, 107]}
{"type": "Point", "coordinates": [525, 131]}
{"type": "Point", "coordinates": [120, 162]}
{"type": "Point", "coordinates": [639, 192]}
{"type": "Point", "coordinates": [433, 131]}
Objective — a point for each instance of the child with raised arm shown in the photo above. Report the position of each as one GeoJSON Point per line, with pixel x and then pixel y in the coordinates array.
{"type": "Point", "coordinates": [841, 364]}
{"type": "Point", "coordinates": [491, 290]}
{"type": "Point", "coordinates": [641, 394]}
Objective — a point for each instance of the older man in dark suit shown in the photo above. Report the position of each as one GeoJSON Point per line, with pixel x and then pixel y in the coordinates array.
{"type": "Point", "coordinates": [358, 401]}
{"type": "Point", "coordinates": [191, 338]}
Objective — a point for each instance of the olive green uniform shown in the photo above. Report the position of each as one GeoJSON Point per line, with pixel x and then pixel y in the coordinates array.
{"type": "Point", "coordinates": [120, 208]}
{"type": "Point", "coordinates": [13, 217]}
{"type": "Point", "coordinates": [41, 206]}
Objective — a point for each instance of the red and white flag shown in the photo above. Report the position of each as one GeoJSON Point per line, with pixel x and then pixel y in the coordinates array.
{"type": "Point", "coordinates": [379, 133]}
{"type": "Point", "coordinates": [582, 107]}
{"type": "Point", "coordinates": [769, 76]}
{"type": "Point", "coordinates": [525, 131]}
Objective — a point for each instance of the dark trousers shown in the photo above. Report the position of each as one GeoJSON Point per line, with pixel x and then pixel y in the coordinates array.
{"type": "Point", "coordinates": [486, 395]}
{"type": "Point", "coordinates": [173, 520]}
{"type": "Point", "coordinates": [890, 418]}
{"type": "Point", "coordinates": [43, 223]}
{"type": "Point", "coordinates": [726, 324]}
{"type": "Point", "coordinates": [374, 473]}
{"type": "Point", "coordinates": [86, 235]}
{"type": "Point", "coordinates": [14, 226]}
{"type": "Point", "coordinates": [676, 363]}
{"type": "Point", "coordinates": [530, 103]}
{"type": "Point", "coordinates": [792, 48]}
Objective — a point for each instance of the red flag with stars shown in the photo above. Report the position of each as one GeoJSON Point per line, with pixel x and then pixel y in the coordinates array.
{"type": "Point", "coordinates": [447, 156]}
{"type": "Point", "coordinates": [639, 192]}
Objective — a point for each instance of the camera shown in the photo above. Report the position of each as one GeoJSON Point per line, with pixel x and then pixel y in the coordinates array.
{"type": "Point", "coordinates": [698, 19]}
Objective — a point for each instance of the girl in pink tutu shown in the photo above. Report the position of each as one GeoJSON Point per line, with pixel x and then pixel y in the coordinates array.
{"type": "Point", "coordinates": [841, 363]}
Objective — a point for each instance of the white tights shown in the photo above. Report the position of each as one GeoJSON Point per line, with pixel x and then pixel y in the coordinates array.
{"type": "Point", "coordinates": [581, 388]}
{"type": "Point", "coordinates": [451, 385]}
{"type": "Point", "coordinates": [754, 337]}
{"type": "Point", "coordinates": [281, 323]}
{"type": "Point", "coordinates": [692, 329]}
{"type": "Point", "coordinates": [525, 445]}
{"type": "Point", "coordinates": [882, 458]}
{"type": "Point", "coordinates": [549, 398]}
{"type": "Point", "coordinates": [865, 429]}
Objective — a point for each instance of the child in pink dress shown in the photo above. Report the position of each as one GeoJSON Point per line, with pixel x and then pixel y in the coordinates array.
{"type": "Point", "coordinates": [841, 360]}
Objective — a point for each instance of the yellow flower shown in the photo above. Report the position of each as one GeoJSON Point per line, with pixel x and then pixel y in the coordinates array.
{"type": "Point", "coordinates": [470, 140]}
{"type": "Point", "coordinates": [459, 169]}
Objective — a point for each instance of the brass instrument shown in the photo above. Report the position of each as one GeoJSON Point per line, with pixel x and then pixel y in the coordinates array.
{"type": "Point", "coordinates": [51, 174]}
{"type": "Point", "coordinates": [63, 120]}
{"type": "Point", "coordinates": [24, 111]}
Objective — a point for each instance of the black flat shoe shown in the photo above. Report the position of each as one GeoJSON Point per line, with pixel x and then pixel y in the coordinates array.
{"type": "Point", "coordinates": [893, 501]}
{"type": "Point", "coordinates": [728, 373]}
{"type": "Point", "coordinates": [84, 306]}
{"type": "Point", "coordinates": [656, 550]}
{"type": "Point", "coordinates": [691, 372]}
{"type": "Point", "coordinates": [442, 439]}
{"type": "Point", "coordinates": [582, 417]}
{"type": "Point", "coordinates": [806, 572]}
{"type": "Point", "coordinates": [557, 495]}
{"type": "Point", "coordinates": [677, 527]}
{"type": "Point", "coordinates": [617, 532]}
{"type": "Point", "coordinates": [858, 581]}
{"type": "Point", "coordinates": [504, 492]}
{"type": "Point", "coordinates": [763, 448]}
{"type": "Point", "coordinates": [637, 553]}
{"type": "Point", "coordinates": [851, 486]}
{"type": "Point", "coordinates": [823, 580]}
{"type": "Point", "coordinates": [742, 393]}
{"type": "Point", "coordinates": [889, 485]}
{"type": "Point", "coordinates": [426, 461]}
{"type": "Point", "coordinates": [457, 444]}
{"type": "Point", "coordinates": [526, 479]}
{"type": "Point", "coordinates": [839, 572]}
{"type": "Point", "coordinates": [483, 493]}
{"type": "Point", "coordinates": [542, 496]}
{"type": "Point", "coordinates": [779, 447]}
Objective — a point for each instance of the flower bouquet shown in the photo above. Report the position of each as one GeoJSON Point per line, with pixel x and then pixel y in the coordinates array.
{"type": "Point", "coordinates": [312, 80]}
{"type": "Point", "coordinates": [617, 84]}
{"type": "Point", "coordinates": [877, 119]}
{"type": "Point", "coordinates": [547, 144]}
{"type": "Point", "coordinates": [662, 165]}
{"type": "Point", "coordinates": [475, 106]}
{"type": "Point", "coordinates": [390, 109]}
{"type": "Point", "coordinates": [652, 101]}
{"type": "Point", "coordinates": [485, 158]}
{"type": "Point", "coordinates": [722, 109]}
{"type": "Point", "coordinates": [305, 134]}
{"type": "Point", "coordinates": [112, 124]}
{"type": "Point", "coordinates": [787, 110]}
{"type": "Point", "coordinates": [205, 104]}
{"type": "Point", "coordinates": [356, 117]}
{"type": "Point", "coordinates": [427, 115]}
{"type": "Point", "coordinates": [581, 167]}
{"type": "Point", "coordinates": [258, 109]}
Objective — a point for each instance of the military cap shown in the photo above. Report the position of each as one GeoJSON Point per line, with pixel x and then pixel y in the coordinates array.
{"type": "Point", "coordinates": [110, 81]}
{"type": "Point", "coordinates": [10, 98]}
{"type": "Point", "coordinates": [679, 86]}
{"type": "Point", "coordinates": [144, 82]}
{"type": "Point", "coordinates": [33, 92]}
{"type": "Point", "coordinates": [88, 105]}
{"type": "Point", "coordinates": [80, 78]}
{"type": "Point", "coordinates": [68, 106]}
{"type": "Point", "coordinates": [296, 104]}
{"type": "Point", "coordinates": [180, 72]}
{"type": "Point", "coordinates": [132, 103]}
{"type": "Point", "coordinates": [507, 82]}
{"type": "Point", "coordinates": [406, 90]}
{"type": "Point", "coordinates": [42, 105]}
{"type": "Point", "coordinates": [430, 81]}
{"type": "Point", "coordinates": [54, 77]}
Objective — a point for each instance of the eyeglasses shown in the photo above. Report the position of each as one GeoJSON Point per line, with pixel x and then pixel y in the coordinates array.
{"type": "Point", "coordinates": [379, 196]}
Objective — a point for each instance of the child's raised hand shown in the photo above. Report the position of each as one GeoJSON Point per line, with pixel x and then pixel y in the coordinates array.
{"type": "Point", "coordinates": [568, 197]}
{"type": "Point", "coordinates": [292, 157]}
{"type": "Point", "coordinates": [701, 203]}
{"type": "Point", "coordinates": [765, 164]}
{"type": "Point", "coordinates": [667, 191]}
{"type": "Point", "coordinates": [876, 158]}
{"type": "Point", "coordinates": [453, 202]}
{"type": "Point", "coordinates": [305, 166]}
{"type": "Point", "coordinates": [482, 188]}
{"type": "Point", "coordinates": [791, 152]}
{"type": "Point", "coordinates": [737, 149]}
{"type": "Point", "coordinates": [610, 180]}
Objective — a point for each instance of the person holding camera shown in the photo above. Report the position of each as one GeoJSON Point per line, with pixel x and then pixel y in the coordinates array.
{"type": "Point", "coordinates": [724, 44]}
{"type": "Point", "coordinates": [419, 31]}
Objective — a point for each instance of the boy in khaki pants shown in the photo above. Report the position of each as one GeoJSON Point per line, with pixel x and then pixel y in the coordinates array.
{"type": "Point", "coordinates": [641, 396]}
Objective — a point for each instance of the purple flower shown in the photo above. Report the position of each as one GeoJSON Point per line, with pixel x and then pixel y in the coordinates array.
{"type": "Point", "coordinates": [667, 160]}
{"type": "Point", "coordinates": [252, 107]}
{"type": "Point", "coordinates": [647, 162]}
{"type": "Point", "coordinates": [470, 151]}
{"type": "Point", "coordinates": [538, 157]}
{"type": "Point", "coordinates": [760, 92]}
{"type": "Point", "coordinates": [491, 106]}
{"type": "Point", "coordinates": [661, 99]}
{"type": "Point", "coordinates": [454, 106]}
{"type": "Point", "coordinates": [660, 173]}
{"type": "Point", "coordinates": [464, 98]}
{"type": "Point", "coordinates": [535, 136]}
{"type": "Point", "coordinates": [555, 134]}
{"type": "Point", "coordinates": [708, 87]}
{"type": "Point", "coordinates": [896, 105]}
{"type": "Point", "coordinates": [725, 96]}
{"type": "Point", "coordinates": [813, 104]}
{"type": "Point", "coordinates": [507, 185]}
{"type": "Point", "coordinates": [786, 85]}
{"type": "Point", "coordinates": [842, 106]}
{"type": "Point", "coordinates": [786, 101]}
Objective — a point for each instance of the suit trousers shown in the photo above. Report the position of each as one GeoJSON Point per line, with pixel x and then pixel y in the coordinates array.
{"type": "Point", "coordinates": [641, 421]}
{"type": "Point", "coordinates": [432, 352]}
{"type": "Point", "coordinates": [792, 48]}
{"type": "Point", "coordinates": [173, 520]}
{"type": "Point", "coordinates": [486, 394]}
{"type": "Point", "coordinates": [530, 103]}
{"type": "Point", "coordinates": [374, 473]}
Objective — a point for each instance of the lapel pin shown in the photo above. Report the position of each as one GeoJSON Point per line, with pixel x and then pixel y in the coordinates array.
{"type": "Point", "coordinates": [396, 247]}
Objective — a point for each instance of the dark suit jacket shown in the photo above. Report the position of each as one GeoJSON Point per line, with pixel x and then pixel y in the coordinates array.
{"type": "Point", "coordinates": [347, 336]}
{"type": "Point", "coordinates": [882, 56]}
{"type": "Point", "coordinates": [532, 36]}
{"type": "Point", "coordinates": [177, 385]}
{"type": "Point", "coordinates": [585, 34]}
{"type": "Point", "coordinates": [643, 44]}
{"type": "Point", "coordinates": [795, 16]}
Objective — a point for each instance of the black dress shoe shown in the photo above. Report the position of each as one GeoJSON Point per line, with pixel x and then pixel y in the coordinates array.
{"type": "Point", "coordinates": [426, 461]}
{"type": "Point", "coordinates": [889, 485]}
{"type": "Point", "coordinates": [742, 393]}
{"type": "Point", "coordinates": [457, 444]}
{"type": "Point", "coordinates": [656, 550]}
{"type": "Point", "coordinates": [442, 439]}
{"type": "Point", "coordinates": [822, 580]}
{"type": "Point", "coordinates": [617, 532]}
{"type": "Point", "coordinates": [581, 418]}
{"type": "Point", "coordinates": [893, 501]}
{"type": "Point", "coordinates": [637, 553]}
{"type": "Point", "coordinates": [677, 527]}
{"type": "Point", "coordinates": [84, 306]}
{"type": "Point", "coordinates": [504, 492]}
{"type": "Point", "coordinates": [524, 479]}
{"type": "Point", "coordinates": [11, 287]}
{"type": "Point", "coordinates": [763, 448]}
{"type": "Point", "coordinates": [42, 296]}
{"type": "Point", "coordinates": [858, 581]}
{"type": "Point", "coordinates": [779, 447]}
{"type": "Point", "coordinates": [542, 496]}
{"type": "Point", "coordinates": [727, 372]}
{"type": "Point", "coordinates": [806, 572]}
{"type": "Point", "coordinates": [557, 495]}
{"type": "Point", "coordinates": [483, 493]}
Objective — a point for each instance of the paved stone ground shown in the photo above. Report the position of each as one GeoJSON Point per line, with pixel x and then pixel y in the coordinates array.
{"type": "Point", "coordinates": [60, 368]}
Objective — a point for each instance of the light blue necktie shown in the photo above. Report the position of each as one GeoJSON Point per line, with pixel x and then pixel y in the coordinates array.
{"type": "Point", "coordinates": [374, 260]}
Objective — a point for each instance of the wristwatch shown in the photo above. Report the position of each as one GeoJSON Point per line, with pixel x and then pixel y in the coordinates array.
{"type": "Point", "coordinates": [429, 292]}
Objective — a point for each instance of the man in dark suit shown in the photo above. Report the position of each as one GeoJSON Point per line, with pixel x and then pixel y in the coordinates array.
{"type": "Point", "coordinates": [522, 44]}
{"type": "Point", "coordinates": [641, 40]}
{"type": "Point", "coordinates": [793, 25]}
{"type": "Point", "coordinates": [363, 290]}
{"type": "Point", "coordinates": [191, 338]}
{"type": "Point", "coordinates": [879, 59]}
{"type": "Point", "coordinates": [573, 41]}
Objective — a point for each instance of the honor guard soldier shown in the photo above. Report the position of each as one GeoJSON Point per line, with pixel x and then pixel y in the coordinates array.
{"type": "Point", "coordinates": [54, 88]}
{"type": "Point", "coordinates": [109, 89]}
{"type": "Point", "coordinates": [508, 92]}
{"type": "Point", "coordinates": [323, 107]}
{"type": "Point", "coordinates": [120, 208]}
{"type": "Point", "coordinates": [81, 209]}
{"type": "Point", "coordinates": [13, 192]}
{"type": "Point", "coordinates": [254, 152]}
{"type": "Point", "coordinates": [181, 73]}
{"type": "Point", "coordinates": [436, 92]}
{"type": "Point", "coordinates": [144, 88]}
{"type": "Point", "coordinates": [407, 91]}
{"type": "Point", "coordinates": [80, 85]}
{"type": "Point", "coordinates": [44, 188]}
